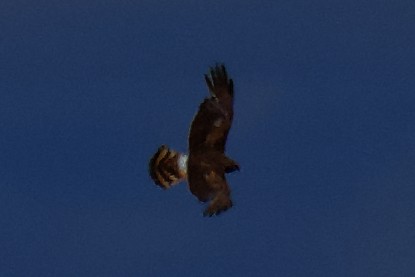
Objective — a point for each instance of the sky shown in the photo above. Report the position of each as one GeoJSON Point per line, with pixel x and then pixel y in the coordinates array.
{"type": "Point", "coordinates": [324, 130]}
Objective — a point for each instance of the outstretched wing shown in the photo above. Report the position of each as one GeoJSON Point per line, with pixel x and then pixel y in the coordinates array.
{"type": "Point", "coordinates": [168, 167]}
{"type": "Point", "coordinates": [209, 130]}
{"type": "Point", "coordinates": [210, 126]}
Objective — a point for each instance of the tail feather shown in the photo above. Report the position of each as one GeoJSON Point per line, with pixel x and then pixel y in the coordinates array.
{"type": "Point", "coordinates": [168, 167]}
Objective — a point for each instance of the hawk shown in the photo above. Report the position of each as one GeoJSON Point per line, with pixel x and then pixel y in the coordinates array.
{"type": "Point", "coordinates": [205, 166]}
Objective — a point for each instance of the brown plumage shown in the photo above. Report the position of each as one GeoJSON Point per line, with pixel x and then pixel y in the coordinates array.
{"type": "Point", "coordinates": [164, 167]}
{"type": "Point", "coordinates": [206, 165]}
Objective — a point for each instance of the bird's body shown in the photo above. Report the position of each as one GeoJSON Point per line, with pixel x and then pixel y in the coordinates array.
{"type": "Point", "coordinates": [206, 162]}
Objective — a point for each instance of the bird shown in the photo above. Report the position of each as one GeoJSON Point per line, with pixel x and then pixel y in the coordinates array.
{"type": "Point", "coordinates": [205, 165]}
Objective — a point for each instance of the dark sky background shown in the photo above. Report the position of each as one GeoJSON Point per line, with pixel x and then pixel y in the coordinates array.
{"type": "Point", "coordinates": [324, 131]}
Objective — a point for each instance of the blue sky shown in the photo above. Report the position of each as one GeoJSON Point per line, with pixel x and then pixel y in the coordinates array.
{"type": "Point", "coordinates": [324, 132]}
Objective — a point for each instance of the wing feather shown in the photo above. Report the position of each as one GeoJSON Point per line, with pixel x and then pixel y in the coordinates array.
{"type": "Point", "coordinates": [209, 130]}
{"type": "Point", "coordinates": [210, 126]}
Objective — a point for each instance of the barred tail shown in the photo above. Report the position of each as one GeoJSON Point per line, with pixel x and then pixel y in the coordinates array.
{"type": "Point", "coordinates": [168, 167]}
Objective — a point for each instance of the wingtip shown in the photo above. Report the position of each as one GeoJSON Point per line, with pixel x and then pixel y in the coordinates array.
{"type": "Point", "coordinates": [217, 80]}
{"type": "Point", "coordinates": [209, 83]}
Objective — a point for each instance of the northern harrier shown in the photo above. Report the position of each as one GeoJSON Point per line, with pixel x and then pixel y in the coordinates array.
{"type": "Point", "coordinates": [205, 166]}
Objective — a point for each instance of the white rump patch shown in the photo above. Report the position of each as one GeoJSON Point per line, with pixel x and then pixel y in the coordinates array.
{"type": "Point", "coordinates": [183, 163]}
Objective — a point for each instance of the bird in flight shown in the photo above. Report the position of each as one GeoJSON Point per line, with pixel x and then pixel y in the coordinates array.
{"type": "Point", "coordinates": [205, 165]}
